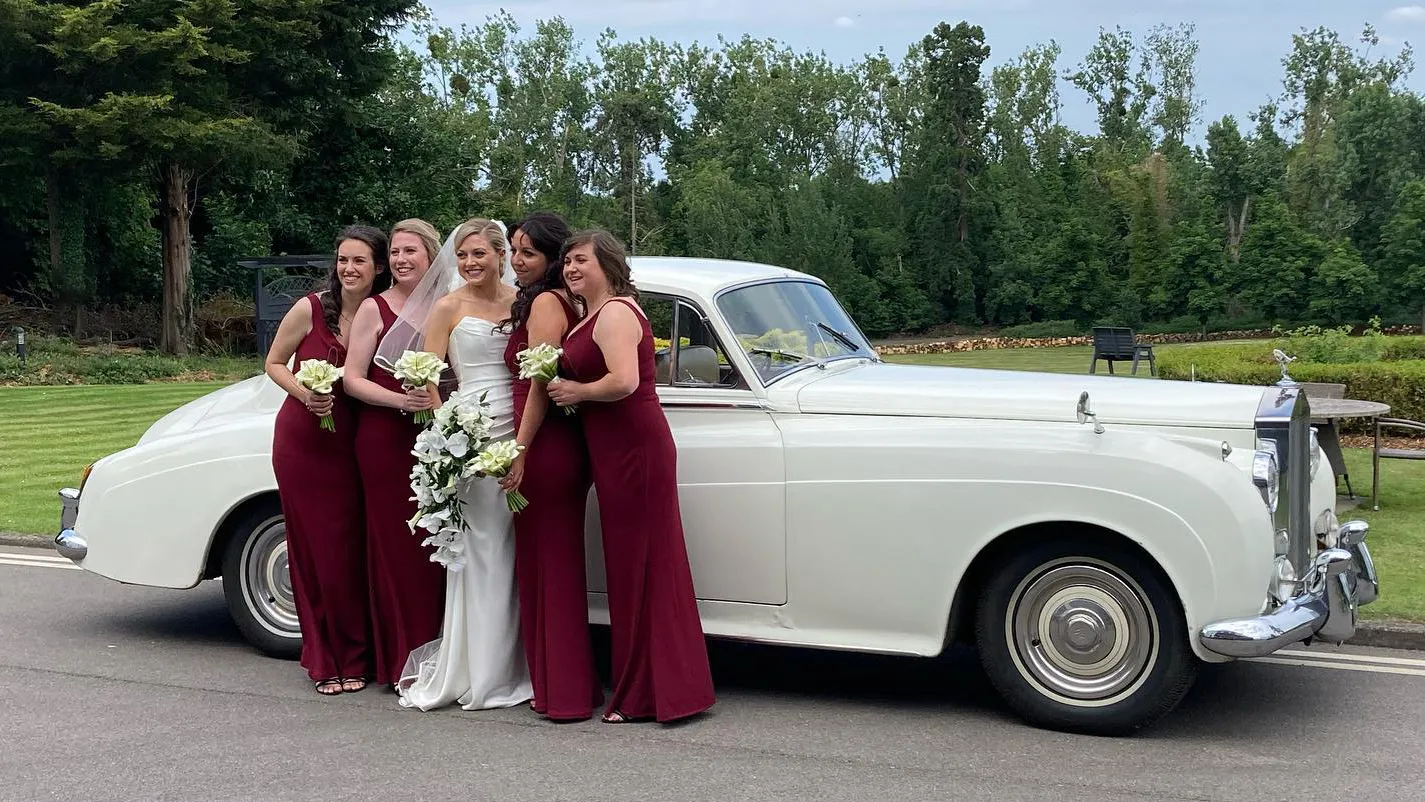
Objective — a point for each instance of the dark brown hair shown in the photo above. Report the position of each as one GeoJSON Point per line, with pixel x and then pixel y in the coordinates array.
{"type": "Point", "coordinates": [380, 257]}
{"type": "Point", "coordinates": [611, 256]}
{"type": "Point", "coordinates": [547, 232]}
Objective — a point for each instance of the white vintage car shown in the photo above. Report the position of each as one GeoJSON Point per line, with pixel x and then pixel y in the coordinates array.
{"type": "Point", "coordinates": [1097, 538]}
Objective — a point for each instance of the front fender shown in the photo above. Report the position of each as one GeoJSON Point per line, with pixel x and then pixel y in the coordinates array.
{"type": "Point", "coordinates": [886, 514]}
{"type": "Point", "coordinates": [149, 513]}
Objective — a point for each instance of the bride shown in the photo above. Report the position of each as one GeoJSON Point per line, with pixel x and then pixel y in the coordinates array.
{"type": "Point", "coordinates": [478, 662]}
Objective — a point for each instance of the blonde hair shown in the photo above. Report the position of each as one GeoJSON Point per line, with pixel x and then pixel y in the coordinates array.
{"type": "Point", "coordinates": [488, 229]}
{"type": "Point", "coordinates": [425, 231]}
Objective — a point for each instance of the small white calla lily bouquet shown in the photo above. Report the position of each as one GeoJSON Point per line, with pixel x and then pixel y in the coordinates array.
{"type": "Point", "coordinates": [446, 453]}
{"type": "Point", "coordinates": [319, 375]}
{"type": "Point", "coordinates": [542, 363]}
{"type": "Point", "coordinates": [419, 369]}
{"type": "Point", "coordinates": [495, 461]}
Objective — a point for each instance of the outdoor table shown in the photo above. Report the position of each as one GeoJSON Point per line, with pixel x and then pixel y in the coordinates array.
{"type": "Point", "coordinates": [1333, 409]}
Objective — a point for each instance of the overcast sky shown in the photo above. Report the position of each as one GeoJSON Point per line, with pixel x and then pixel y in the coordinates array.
{"type": "Point", "coordinates": [1239, 67]}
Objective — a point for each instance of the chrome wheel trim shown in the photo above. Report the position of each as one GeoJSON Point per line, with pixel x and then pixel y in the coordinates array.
{"type": "Point", "coordinates": [1081, 632]}
{"type": "Point", "coordinates": [267, 581]}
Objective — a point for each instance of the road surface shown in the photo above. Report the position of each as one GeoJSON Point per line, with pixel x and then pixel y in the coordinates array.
{"type": "Point", "coordinates": [120, 692]}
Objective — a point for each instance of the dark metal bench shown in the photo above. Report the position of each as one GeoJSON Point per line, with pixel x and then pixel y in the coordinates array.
{"type": "Point", "coordinates": [1116, 344]}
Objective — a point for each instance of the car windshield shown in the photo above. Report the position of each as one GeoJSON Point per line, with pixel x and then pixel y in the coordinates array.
{"type": "Point", "coordinates": [783, 324]}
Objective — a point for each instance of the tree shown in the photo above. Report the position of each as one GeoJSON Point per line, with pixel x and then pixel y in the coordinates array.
{"type": "Point", "coordinates": [1403, 246]}
{"type": "Point", "coordinates": [946, 165]}
{"type": "Point", "coordinates": [181, 87]}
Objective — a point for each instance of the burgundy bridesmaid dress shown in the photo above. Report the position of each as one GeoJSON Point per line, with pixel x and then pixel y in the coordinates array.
{"type": "Point", "coordinates": [660, 659]}
{"type": "Point", "coordinates": [549, 555]}
{"type": "Point", "coordinates": [407, 590]}
{"type": "Point", "coordinates": [320, 489]}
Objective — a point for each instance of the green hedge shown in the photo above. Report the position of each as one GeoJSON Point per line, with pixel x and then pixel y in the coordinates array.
{"type": "Point", "coordinates": [1398, 379]}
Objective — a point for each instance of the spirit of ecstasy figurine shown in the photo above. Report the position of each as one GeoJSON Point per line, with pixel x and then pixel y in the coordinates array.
{"type": "Point", "coordinates": [1283, 360]}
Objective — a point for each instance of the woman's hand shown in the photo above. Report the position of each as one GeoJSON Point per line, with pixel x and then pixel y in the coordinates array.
{"type": "Point", "coordinates": [318, 404]}
{"type": "Point", "coordinates": [565, 392]}
{"type": "Point", "coordinates": [418, 399]}
{"type": "Point", "coordinates": [511, 481]}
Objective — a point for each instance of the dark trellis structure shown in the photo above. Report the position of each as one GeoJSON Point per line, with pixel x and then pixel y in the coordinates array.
{"type": "Point", "coordinates": [300, 274]}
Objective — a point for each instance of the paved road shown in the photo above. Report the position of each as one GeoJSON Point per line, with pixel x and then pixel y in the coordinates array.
{"type": "Point", "coordinates": [117, 692]}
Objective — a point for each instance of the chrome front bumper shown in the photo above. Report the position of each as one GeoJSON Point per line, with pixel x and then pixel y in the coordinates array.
{"type": "Point", "coordinates": [68, 542]}
{"type": "Point", "coordinates": [1339, 581]}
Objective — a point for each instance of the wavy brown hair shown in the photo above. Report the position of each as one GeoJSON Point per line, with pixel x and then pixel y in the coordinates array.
{"type": "Point", "coordinates": [380, 257]}
{"type": "Point", "coordinates": [611, 256]}
{"type": "Point", "coordinates": [547, 232]}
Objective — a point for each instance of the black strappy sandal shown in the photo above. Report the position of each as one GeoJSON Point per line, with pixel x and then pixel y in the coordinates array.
{"type": "Point", "coordinates": [334, 682]}
{"type": "Point", "coordinates": [348, 681]}
{"type": "Point", "coordinates": [617, 717]}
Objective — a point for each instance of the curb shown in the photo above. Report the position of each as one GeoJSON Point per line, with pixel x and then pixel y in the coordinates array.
{"type": "Point", "coordinates": [1389, 635]}
{"type": "Point", "coordinates": [27, 541]}
{"type": "Point", "coordinates": [1380, 634]}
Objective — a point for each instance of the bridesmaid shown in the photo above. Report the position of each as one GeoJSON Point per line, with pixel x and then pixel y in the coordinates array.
{"type": "Point", "coordinates": [316, 471]}
{"type": "Point", "coordinates": [553, 473]}
{"type": "Point", "coordinates": [660, 659]}
{"type": "Point", "coordinates": [407, 590]}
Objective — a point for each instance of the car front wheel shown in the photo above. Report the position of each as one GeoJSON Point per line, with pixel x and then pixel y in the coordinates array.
{"type": "Point", "coordinates": [258, 585]}
{"type": "Point", "coordinates": [1084, 636]}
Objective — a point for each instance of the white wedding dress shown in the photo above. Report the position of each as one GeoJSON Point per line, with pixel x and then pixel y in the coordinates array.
{"type": "Point", "coordinates": [478, 662]}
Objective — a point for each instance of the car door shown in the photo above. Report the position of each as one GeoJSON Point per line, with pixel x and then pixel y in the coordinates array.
{"type": "Point", "coordinates": [731, 479]}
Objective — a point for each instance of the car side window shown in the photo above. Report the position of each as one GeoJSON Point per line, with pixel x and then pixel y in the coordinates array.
{"type": "Point", "coordinates": [686, 351]}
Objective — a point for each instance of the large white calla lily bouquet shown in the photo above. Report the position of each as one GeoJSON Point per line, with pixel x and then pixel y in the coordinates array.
{"type": "Point", "coordinates": [447, 455]}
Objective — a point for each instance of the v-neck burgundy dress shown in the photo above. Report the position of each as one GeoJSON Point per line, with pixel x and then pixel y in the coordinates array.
{"type": "Point", "coordinates": [660, 659]}
{"type": "Point", "coordinates": [407, 590]}
{"type": "Point", "coordinates": [549, 554]}
{"type": "Point", "coordinates": [320, 490]}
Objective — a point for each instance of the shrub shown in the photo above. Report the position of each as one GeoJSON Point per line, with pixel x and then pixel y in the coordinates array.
{"type": "Point", "coordinates": [1044, 328]}
{"type": "Point", "coordinates": [1398, 382]}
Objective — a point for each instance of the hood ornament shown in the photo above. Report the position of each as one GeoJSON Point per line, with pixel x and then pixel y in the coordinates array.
{"type": "Point", "coordinates": [1282, 361]}
{"type": "Point", "coordinates": [1085, 414]}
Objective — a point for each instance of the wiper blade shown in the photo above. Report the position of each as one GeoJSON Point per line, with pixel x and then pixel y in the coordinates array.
{"type": "Point", "coordinates": [841, 337]}
{"type": "Point", "coordinates": [777, 352]}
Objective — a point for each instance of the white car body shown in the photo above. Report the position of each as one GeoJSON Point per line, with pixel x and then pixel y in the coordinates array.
{"type": "Point", "coordinates": [844, 504]}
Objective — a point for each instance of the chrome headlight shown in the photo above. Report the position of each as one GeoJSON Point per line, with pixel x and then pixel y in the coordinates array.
{"type": "Point", "coordinates": [1266, 474]}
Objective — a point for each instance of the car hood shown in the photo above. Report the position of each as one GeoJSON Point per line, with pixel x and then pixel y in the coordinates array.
{"type": "Point", "coordinates": [255, 395]}
{"type": "Point", "coordinates": [929, 391]}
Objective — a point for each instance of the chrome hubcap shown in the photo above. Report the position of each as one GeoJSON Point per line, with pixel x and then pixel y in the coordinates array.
{"type": "Point", "coordinates": [267, 580]}
{"type": "Point", "coordinates": [1082, 631]}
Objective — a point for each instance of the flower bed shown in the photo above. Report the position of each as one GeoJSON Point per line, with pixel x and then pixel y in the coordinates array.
{"type": "Point", "coordinates": [992, 343]}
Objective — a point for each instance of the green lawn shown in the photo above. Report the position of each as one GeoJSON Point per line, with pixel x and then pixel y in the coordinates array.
{"type": "Point", "coordinates": [51, 433]}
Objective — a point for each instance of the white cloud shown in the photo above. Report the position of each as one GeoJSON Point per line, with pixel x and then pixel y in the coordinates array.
{"type": "Point", "coordinates": [844, 22]}
{"type": "Point", "coordinates": [1406, 14]}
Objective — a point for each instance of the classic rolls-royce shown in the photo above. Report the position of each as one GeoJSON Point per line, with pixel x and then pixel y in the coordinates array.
{"type": "Point", "coordinates": [1096, 538]}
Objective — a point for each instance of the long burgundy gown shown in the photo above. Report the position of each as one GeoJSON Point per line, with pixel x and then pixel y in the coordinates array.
{"type": "Point", "coordinates": [407, 590]}
{"type": "Point", "coordinates": [549, 555]}
{"type": "Point", "coordinates": [320, 489]}
{"type": "Point", "coordinates": [660, 659]}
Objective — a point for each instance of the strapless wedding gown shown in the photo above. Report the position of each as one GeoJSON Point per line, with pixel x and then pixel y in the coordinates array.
{"type": "Point", "coordinates": [478, 662]}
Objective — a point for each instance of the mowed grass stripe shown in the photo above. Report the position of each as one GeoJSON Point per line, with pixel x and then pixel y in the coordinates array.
{"type": "Point", "coordinates": [51, 433]}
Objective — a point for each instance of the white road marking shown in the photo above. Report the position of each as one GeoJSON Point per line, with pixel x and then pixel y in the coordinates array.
{"type": "Point", "coordinates": [1374, 669]}
{"type": "Point", "coordinates": [27, 555]}
{"type": "Point", "coordinates": [1343, 661]}
{"type": "Point", "coordinates": [37, 560]}
{"type": "Point", "coordinates": [1356, 658]}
